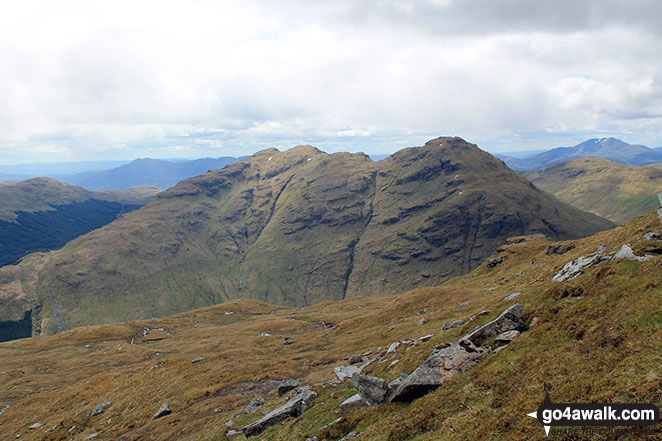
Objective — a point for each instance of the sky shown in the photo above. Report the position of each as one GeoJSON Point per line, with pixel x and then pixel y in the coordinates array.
{"type": "Point", "coordinates": [101, 80]}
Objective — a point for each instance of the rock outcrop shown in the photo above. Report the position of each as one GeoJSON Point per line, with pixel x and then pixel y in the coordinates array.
{"type": "Point", "coordinates": [292, 408]}
{"type": "Point", "coordinates": [372, 390]}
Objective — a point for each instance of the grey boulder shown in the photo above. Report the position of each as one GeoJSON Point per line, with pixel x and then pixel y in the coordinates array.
{"type": "Point", "coordinates": [441, 365]}
{"type": "Point", "coordinates": [373, 390]}
{"type": "Point", "coordinates": [292, 408]}
{"type": "Point", "coordinates": [287, 385]}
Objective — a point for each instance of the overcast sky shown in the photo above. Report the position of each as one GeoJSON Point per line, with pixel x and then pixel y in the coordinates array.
{"type": "Point", "coordinates": [95, 80]}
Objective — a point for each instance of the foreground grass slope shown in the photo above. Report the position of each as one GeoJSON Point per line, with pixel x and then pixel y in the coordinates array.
{"type": "Point", "coordinates": [301, 227]}
{"type": "Point", "coordinates": [614, 191]}
{"type": "Point", "coordinates": [593, 339]}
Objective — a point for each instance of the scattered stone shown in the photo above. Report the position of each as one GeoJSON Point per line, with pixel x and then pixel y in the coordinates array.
{"type": "Point", "coordinates": [424, 338]}
{"type": "Point", "coordinates": [353, 401]}
{"type": "Point", "coordinates": [93, 436]}
{"type": "Point", "coordinates": [558, 249]}
{"type": "Point", "coordinates": [163, 411]}
{"type": "Point", "coordinates": [422, 311]}
{"type": "Point", "coordinates": [484, 312]}
{"type": "Point", "coordinates": [534, 321]}
{"type": "Point", "coordinates": [288, 341]}
{"type": "Point", "coordinates": [293, 408]}
{"type": "Point", "coordinates": [444, 362]}
{"type": "Point", "coordinates": [464, 304]}
{"type": "Point", "coordinates": [574, 268]}
{"type": "Point", "coordinates": [373, 390]}
{"type": "Point", "coordinates": [254, 404]}
{"type": "Point", "coordinates": [393, 363]}
{"type": "Point", "coordinates": [100, 408]}
{"type": "Point", "coordinates": [35, 426]}
{"type": "Point", "coordinates": [345, 372]}
{"type": "Point", "coordinates": [129, 375]}
{"type": "Point", "coordinates": [356, 359]}
{"type": "Point", "coordinates": [451, 325]}
{"type": "Point", "coordinates": [50, 429]}
{"type": "Point", "coordinates": [421, 322]}
{"type": "Point", "coordinates": [351, 435]}
{"type": "Point", "coordinates": [626, 253]}
{"type": "Point", "coordinates": [287, 385]}
{"type": "Point", "coordinates": [232, 434]}
{"type": "Point", "coordinates": [393, 346]}
{"type": "Point", "coordinates": [510, 296]}
{"type": "Point", "coordinates": [491, 263]}
{"type": "Point", "coordinates": [653, 235]}
{"type": "Point", "coordinates": [507, 321]}
{"type": "Point", "coordinates": [197, 360]}
{"type": "Point", "coordinates": [265, 334]}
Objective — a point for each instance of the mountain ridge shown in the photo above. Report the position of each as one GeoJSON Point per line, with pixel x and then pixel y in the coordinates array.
{"type": "Point", "coordinates": [42, 213]}
{"type": "Point", "coordinates": [600, 186]}
{"type": "Point", "coordinates": [300, 227]}
{"type": "Point", "coordinates": [606, 148]}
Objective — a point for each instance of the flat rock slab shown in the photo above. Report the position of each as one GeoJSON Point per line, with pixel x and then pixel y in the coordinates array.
{"type": "Point", "coordinates": [441, 365]}
{"type": "Point", "coordinates": [345, 372]}
{"type": "Point", "coordinates": [293, 408]}
{"type": "Point", "coordinates": [507, 337]}
{"type": "Point", "coordinates": [353, 401]}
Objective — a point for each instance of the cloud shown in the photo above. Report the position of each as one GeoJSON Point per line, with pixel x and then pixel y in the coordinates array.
{"type": "Point", "coordinates": [130, 78]}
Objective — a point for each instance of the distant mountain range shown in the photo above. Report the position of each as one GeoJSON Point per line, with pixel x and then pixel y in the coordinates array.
{"type": "Point", "coordinates": [295, 228]}
{"type": "Point", "coordinates": [117, 175]}
{"type": "Point", "coordinates": [155, 172]}
{"type": "Point", "coordinates": [44, 214]}
{"type": "Point", "coordinates": [614, 191]}
{"type": "Point", "coordinates": [607, 148]}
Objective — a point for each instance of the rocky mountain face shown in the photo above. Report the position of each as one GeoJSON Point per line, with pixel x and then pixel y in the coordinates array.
{"type": "Point", "coordinates": [607, 148]}
{"type": "Point", "coordinates": [614, 191]}
{"type": "Point", "coordinates": [301, 227]}
{"type": "Point", "coordinates": [42, 213]}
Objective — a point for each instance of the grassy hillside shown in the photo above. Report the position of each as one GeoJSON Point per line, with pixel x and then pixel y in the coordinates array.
{"type": "Point", "coordinates": [614, 191]}
{"type": "Point", "coordinates": [300, 227]}
{"type": "Point", "coordinates": [42, 214]}
{"type": "Point", "coordinates": [593, 339]}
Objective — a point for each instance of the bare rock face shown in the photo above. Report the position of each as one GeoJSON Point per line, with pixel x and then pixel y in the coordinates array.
{"type": "Point", "coordinates": [442, 364]}
{"type": "Point", "coordinates": [293, 408]}
{"type": "Point", "coordinates": [373, 390]}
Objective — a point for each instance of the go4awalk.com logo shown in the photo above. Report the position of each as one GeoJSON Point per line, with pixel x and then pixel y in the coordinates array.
{"type": "Point", "coordinates": [597, 417]}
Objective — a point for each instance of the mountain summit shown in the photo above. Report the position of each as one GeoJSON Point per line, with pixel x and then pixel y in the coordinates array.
{"type": "Point", "coordinates": [606, 148]}
{"type": "Point", "coordinates": [300, 227]}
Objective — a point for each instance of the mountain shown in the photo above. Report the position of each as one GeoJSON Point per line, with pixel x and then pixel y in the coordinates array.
{"type": "Point", "coordinates": [607, 148]}
{"type": "Point", "coordinates": [146, 172]}
{"type": "Point", "coordinates": [614, 191]}
{"type": "Point", "coordinates": [592, 339]}
{"type": "Point", "coordinates": [38, 169]}
{"type": "Point", "coordinates": [296, 228]}
{"type": "Point", "coordinates": [42, 214]}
